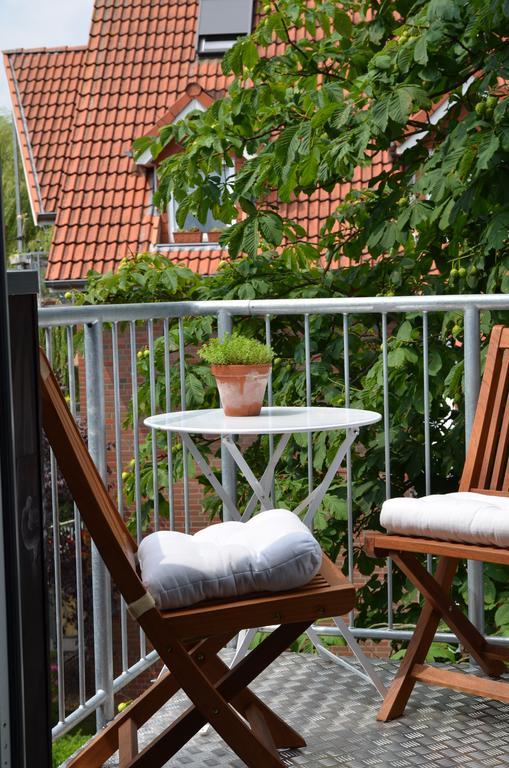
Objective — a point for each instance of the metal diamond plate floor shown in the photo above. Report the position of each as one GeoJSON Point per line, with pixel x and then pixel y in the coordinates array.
{"type": "Point", "coordinates": [335, 711]}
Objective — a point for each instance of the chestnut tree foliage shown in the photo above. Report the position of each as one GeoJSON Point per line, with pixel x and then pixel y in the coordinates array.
{"type": "Point", "coordinates": [355, 79]}
{"type": "Point", "coordinates": [350, 80]}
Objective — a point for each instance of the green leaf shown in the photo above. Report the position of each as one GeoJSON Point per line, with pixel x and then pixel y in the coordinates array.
{"type": "Point", "coordinates": [502, 615]}
{"type": "Point", "coordinates": [342, 22]}
{"type": "Point", "coordinates": [405, 331]}
{"type": "Point", "coordinates": [271, 228]}
{"type": "Point", "coordinates": [250, 55]}
{"type": "Point", "coordinates": [251, 237]}
{"type": "Point", "coordinates": [400, 105]}
{"type": "Point", "coordinates": [434, 362]}
{"type": "Point", "coordinates": [396, 358]}
{"type": "Point", "coordinates": [489, 146]}
{"type": "Point", "coordinates": [421, 50]}
{"type": "Point", "coordinates": [497, 231]}
{"type": "Point", "coordinates": [380, 114]}
{"type": "Point", "coordinates": [248, 206]}
{"type": "Point", "coordinates": [446, 214]}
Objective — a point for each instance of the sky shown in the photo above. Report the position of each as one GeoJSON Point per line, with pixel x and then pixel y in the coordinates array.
{"type": "Point", "coordinates": [41, 24]}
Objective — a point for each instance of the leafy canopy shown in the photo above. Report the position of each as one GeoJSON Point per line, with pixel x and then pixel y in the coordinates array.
{"type": "Point", "coordinates": [32, 240]}
{"type": "Point", "coordinates": [235, 349]}
{"type": "Point", "coordinates": [351, 82]}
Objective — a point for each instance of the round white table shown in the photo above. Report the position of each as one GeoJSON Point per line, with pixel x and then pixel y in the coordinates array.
{"type": "Point", "coordinates": [285, 422]}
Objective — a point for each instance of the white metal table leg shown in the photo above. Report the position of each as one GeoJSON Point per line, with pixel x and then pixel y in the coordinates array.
{"type": "Point", "coordinates": [314, 499]}
{"type": "Point", "coordinates": [262, 494]}
{"type": "Point", "coordinates": [209, 474]}
{"type": "Point", "coordinates": [366, 664]}
{"type": "Point", "coordinates": [267, 478]}
{"type": "Point", "coordinates": [324, 652]}
{"type": "Point", "coordinates": [244, 640]}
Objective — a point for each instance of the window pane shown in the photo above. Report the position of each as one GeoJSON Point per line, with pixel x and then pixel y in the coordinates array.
{"type": "Point", "coordinates": [191, 221]}
{"type": "Point", "coordinates": [217, 45]}
{"type": "Point", "coordinates": [225, 18]}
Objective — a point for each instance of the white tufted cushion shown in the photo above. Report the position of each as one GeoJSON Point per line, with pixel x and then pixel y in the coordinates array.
{"type": "Point", "coordinates": [272, 552]}
{"type": "Point", "coordinates": [473, 518]}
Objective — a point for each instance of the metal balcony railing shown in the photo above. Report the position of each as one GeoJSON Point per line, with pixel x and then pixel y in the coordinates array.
{"type": "Point", "coordinates": [101, 328]}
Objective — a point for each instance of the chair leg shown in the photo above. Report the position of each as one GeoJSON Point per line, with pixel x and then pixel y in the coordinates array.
{"type": "Point", "coordinates": [212, 703]}
{"type": "Point", "coordinates": [283, 735]}
{"type": "Point", "coordinates": [127, 741]}
{"type": "Point", "coordinates": [468, 635]}
{"type": "Point", "coordinates": [399, 692]}
{"type": "Point", "coordinates": [107, 741]}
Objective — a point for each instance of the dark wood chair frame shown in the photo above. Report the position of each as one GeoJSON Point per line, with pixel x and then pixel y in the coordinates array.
{"type": "Point", "coordinates": [187, 640]}
{"type": "Point", "coordinates": [486, 470]}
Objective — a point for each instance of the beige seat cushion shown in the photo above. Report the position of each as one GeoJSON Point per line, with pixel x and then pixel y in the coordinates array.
{"type": "Point", "coordinates": [472, 518]}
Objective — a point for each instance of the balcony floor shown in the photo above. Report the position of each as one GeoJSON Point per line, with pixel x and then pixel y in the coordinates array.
{"type": "Point", "coordinates": [335, 711]}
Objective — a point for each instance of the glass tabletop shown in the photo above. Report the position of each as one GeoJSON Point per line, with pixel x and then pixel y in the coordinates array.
{"type": "Point", "coordinates": [271, 421]}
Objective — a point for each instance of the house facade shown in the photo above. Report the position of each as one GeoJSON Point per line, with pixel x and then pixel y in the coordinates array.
{"type": "Point", "coordinates": [78, 110]}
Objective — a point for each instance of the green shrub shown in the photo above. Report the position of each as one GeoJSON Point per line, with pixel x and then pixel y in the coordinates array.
{"type": "Point", "coordinates": [235, 350]}
{"type": "Point", "coordinates": [66, 745]}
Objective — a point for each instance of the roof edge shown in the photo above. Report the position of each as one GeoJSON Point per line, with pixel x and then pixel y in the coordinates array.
{"type": "Point", "coordinates": [57, 49]}
{"type": "Point", "coordinates": [23, 136]}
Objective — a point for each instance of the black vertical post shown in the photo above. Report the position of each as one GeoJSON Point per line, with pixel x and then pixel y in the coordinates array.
{"type": "Point", "coordinates": [22, 520]}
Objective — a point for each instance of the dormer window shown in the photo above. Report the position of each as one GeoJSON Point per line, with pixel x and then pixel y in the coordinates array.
{"type": "Point", "coordinates": [221, 23]}
{"type": "Point", "coordinates": [193, 230]}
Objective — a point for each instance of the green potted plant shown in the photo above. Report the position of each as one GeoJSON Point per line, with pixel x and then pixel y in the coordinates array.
{"type": "Point", "coordinates": [241, 367]}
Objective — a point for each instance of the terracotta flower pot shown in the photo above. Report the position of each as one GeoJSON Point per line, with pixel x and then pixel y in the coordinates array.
{"type": "Point", "coordinates": [241, 387]}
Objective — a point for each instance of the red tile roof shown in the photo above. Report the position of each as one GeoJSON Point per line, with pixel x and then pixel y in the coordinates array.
{"type": "Point", "coordinates": [43, 85]}
{"type": "Point", "coordinates": [204, 261]}
{"type": "Point", "coordinates": [137, 72]}
{"type": "Point", "coordinates": [139, 61]}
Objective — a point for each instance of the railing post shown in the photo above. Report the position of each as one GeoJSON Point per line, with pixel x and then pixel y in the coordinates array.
{"type": "Point", "coordinates": [228, 469]}
{"type": "Point", "coordinates": [101, 585]}
{"type": "Point", "coordinates": [472, 362]}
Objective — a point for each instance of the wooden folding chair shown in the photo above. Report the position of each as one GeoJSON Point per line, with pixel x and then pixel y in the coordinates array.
{"type": "Point", "coordinates": [486, 471]}
{"type": "Point", "coordinates": [187, 640]}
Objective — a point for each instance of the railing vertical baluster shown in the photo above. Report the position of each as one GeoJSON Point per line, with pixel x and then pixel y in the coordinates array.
{"type": "Point", "coordinates": [118, 468]}
{"type": "Point", "coordinates": [169, 441]}
{"type": "Point", "coordinates": [152, 380]}
{"type": "Point", "coordinates": [307, 353]}
{"type": "Point", "coordinates": [182, 371]}
{"type": "Point", "coordinates": [228, 469]}
{"type": "Point", "coordinates": [387, 445]}
{"type": "Point", "coordinates": [101, 585]}
{"type": "Point", "coordinates": [270, 394]}
{"type": "Point", "coordinates": [349, 501]}
{"type": "Point", "coordinates": [472, 362]}
{"type": "Point", "coordinates": [136, 448]}
{"type": "Point", "coordinates": [55, 521]}
{"type": "Point", "coordinates": [427, 438]}
{"type": "Point", "coordinates": [77, 533]}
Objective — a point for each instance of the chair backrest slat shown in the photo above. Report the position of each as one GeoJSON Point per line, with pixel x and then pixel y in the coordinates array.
{"type": "Point", "coordinates": [501, 463]}
{"type": "Point", "coordinates": [486, 464]}
{"type": "Point", "coordinates": [494, 416]}
{"type": "Point", "coordinates": [108, 531]}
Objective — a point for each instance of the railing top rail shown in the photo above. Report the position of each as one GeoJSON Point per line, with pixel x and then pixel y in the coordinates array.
{"type": "Point", "coordinates": [109, 313]}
